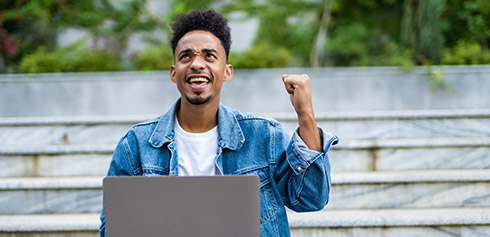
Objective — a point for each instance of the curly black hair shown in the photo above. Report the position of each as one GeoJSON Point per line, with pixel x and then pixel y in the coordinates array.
{"type": "Point", "coordinates": [205, 20]}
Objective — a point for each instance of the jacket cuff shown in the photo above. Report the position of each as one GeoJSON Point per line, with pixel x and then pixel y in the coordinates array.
{"type": "Point", "coordinates": [300, 157]}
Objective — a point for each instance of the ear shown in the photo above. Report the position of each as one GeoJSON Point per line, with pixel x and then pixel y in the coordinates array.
{"type": "Point", "coordinates": [172, 74]}
{"type": "Point", "coordinates": [228, 73]}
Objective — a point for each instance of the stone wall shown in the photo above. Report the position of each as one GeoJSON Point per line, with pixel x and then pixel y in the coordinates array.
{"type": "Point", "coordinates": [334, 89]}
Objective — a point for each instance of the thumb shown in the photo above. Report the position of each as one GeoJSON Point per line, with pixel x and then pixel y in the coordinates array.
{"type": "Point", "coordinates": [288, 84]}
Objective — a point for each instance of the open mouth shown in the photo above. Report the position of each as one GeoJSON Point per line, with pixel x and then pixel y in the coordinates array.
{"type": "Point", "coordinates": [198, 80]}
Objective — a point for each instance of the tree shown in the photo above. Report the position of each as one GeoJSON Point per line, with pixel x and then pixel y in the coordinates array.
{"type": "Point", "coordinates": [317, 51]}
{"type": "Point", "coordinates": [35, 24]}
{"type": "Point", "coordinates": [295, 32]}
{"type": "Point", "coordinates": [421, 29]}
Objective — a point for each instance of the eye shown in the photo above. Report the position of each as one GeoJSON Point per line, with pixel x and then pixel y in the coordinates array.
{"type": "Point", "coordinates": [210, 55]}
{"type": "Point", "coordinates": [184, 56]}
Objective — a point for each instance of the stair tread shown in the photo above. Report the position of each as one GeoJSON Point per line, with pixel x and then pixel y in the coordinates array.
{"type": "Point", "coordinates": [391, 217]}
{"type": "Point", "coordinates": [50, 222]}
{"type": "Point", "coordinates": [338, 178]}
{"type": "Point", "coordinates": [344, 144]}
{"type": "Point", "coordinates": [282, 116]}
{"type": "Point", "coordinates": [411, 176]}
{"type": "Point", "coordinates": [413, 142]}
{"type": "Point", "coordinates": [69, 182]}
{"type": "Point", "coordinates": [326, 218]}
{"type": "Point", "coordinates": [57, 149]}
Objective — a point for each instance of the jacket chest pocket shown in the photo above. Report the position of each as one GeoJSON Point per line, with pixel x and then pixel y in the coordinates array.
{"type": "Point", "coordinates": [268, 203]}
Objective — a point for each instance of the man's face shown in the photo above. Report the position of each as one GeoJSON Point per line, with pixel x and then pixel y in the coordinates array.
{"type": "Point", "coordinates": [200, 67]}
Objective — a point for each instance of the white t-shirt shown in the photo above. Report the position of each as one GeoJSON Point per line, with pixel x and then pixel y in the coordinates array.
{"type": "Point", "coordinates": [196, 151]}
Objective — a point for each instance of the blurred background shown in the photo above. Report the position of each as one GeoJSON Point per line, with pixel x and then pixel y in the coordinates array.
{"type": "Point", "coordinates": [39, 36]}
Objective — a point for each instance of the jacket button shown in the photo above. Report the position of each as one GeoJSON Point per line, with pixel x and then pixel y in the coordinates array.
{"type": "Point", "coordinates": [299, 169]}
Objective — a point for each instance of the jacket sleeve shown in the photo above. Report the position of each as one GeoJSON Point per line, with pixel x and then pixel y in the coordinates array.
{"type": "Point", "coordinates": [122, 164]}
{"type": "Point", "coordinates": [303, 175]}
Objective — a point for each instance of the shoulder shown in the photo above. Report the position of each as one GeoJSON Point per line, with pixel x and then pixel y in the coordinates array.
{"type": "Point", "coordinates": [261, 129]}
{"type": "Point", "coordinates": [148, 123]}
{"type": "Point", "coordinates": [143, 129]}
{"type": "Point", "coordinates": [244, 117]}
{"type": "Point", "coordinates": [256, 120]}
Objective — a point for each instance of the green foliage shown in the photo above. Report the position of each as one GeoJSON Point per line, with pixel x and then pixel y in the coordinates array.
{"type": "Point", "coordinates": [30, 24]}
{"type": "Point", "coordinates": [155, 58]}
{"type": "Point", "coordinates": [436, 79]}
{"type": "Point", "coordinates": [289, 24]}
{"type": "Point", "coordinates": [37, 23]}
{"type": "Point", "coordinates": [261, 55]}
{"type": "Point", "coordinates": [421, 29]}
{"type": "Point", "coordinates": [467, 20]}
{"type": "Point", "coordinates": [354, 33]}
{"type": "Point", "coordinates": [466, 53]}
{"type": "Point", "coordinates": [185, 6]}
{"type": "Point", "coordinates": [348, 47]}
{"type": "Point", "coordinates": [72, 58]}
{"type": "Point", "coordinates": [394, 55]}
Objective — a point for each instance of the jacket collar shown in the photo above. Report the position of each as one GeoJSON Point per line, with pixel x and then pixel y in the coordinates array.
{"type": "Point", "coordinates": [230, 134]}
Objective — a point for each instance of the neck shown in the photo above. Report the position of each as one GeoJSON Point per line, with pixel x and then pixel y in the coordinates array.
{"type": "Point", "coordinates": [198, 118]}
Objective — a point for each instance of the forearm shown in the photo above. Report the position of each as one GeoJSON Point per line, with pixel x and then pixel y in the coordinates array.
{"type": "Point", "coordinates": [308, 131]}
{"type": "Point", "coordinates": [298, 87]}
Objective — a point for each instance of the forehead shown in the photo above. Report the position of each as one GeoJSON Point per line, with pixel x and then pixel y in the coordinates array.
{"type": "Point", "coordinates": [198, 40]}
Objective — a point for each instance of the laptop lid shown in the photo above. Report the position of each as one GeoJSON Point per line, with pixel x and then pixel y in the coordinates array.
{"type": "Point", "coordinates": [182, 206]}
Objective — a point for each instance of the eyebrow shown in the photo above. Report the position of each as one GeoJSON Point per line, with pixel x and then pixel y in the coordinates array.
{"type": "Point", "coordinates": [205, 50]}
{"type": "Point", "coordinates": [185, 51]}
{"type": "Point", "coordinates": [210, 51]}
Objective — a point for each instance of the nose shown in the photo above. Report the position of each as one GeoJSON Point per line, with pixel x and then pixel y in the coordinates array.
{"type": "Point", "coordinates": [197, 64]}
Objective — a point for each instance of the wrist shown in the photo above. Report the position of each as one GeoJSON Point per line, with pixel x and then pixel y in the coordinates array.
{"type": "Point", "coordinates": [305, 116]}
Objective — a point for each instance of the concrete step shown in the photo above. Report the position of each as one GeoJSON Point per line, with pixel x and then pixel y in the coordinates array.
{"type": "Point", "coordinates": [410, 189]}
{"type": "Point", "coordinates": [55, 160]}
{"type": "Point", "coordinates": [51, 195]}
{"type": "Point", "coordinates": [414, 222]}
{"type": "Point", "coordinates": [66, 130]}
{"type": "Point", "coordinates": [349, 155]}
{"type": "Point", "coordinates": [392, 222]}
{"type": "Point", "coordinates": [83, 225]}
{"type": "Point", "coordinates": [347, 125]}
{"type": "Point", "coordinates": [402, 124]}
{"type": "Point", "coordinates": [411, 154]}
{"type": "Point", "coordinates": [350, 190]}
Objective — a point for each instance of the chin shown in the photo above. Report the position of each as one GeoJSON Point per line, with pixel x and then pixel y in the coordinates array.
{"type": "Point", "coordinates": [198, 100]}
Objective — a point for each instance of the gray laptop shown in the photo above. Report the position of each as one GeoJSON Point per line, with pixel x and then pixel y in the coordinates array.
{"type": "Point", "coordinates": [182, 206]}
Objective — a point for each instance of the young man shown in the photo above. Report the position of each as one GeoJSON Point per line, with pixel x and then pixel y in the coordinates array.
{"type": "Point", "coordinates": [200, 136]}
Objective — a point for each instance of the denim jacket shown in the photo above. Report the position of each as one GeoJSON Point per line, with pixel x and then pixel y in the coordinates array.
{"type": "Point", "coordinates": [290, 174]}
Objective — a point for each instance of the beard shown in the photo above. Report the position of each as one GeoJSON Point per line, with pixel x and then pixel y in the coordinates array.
{"type": "Point", "coordinates": [199, 100]}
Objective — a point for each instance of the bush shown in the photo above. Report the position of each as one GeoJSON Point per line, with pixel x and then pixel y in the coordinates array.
{"type": "Point", "coordinates": [466, 52]}
{"type": "Point", "coordinates": [348, 45]}
{"type": "Point", "coordinates": [72, 58]}
{"type": "Point", "coordinates": [154, 58]}
{"type": "Point", "coordinates": [261, 55]}
{"type": "Point", "coordinates": [395, 55]}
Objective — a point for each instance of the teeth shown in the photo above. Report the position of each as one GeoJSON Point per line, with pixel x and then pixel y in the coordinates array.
{"type": "Point", "coordinates": [198, 79]}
